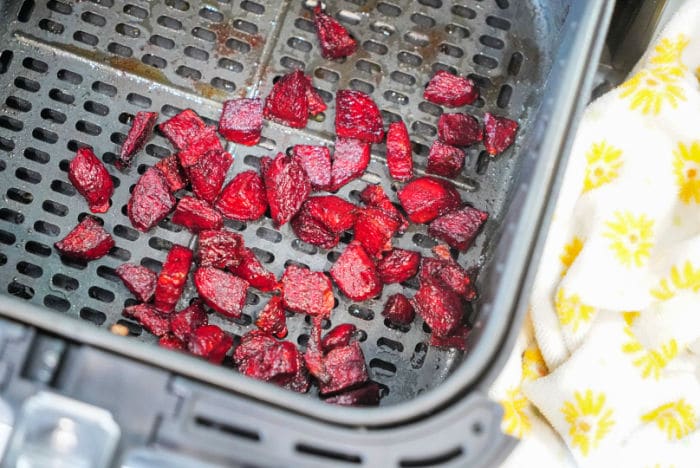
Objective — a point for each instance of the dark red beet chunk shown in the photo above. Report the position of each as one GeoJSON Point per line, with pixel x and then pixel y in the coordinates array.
{"type": "Point", "coordinates": [206, 141]}
{"type": "Point", "coordinates": [450, 273]}
{"type": "Point", "coordinates": [287, 103]}
{"type": "Point", "coordinates": [140, 131]}
{"type": "Point", "coordinates": [150, 201]}
{"type": "Point", "coordinates": [186, 321]}
{"type": "Point", "coordinates": [398, 266]}
{"type": "Point", "coordinates": [208, 174]}
{"type": "Point", "coordinates": [339, 336]}
{"type": "Point", "coordinates": [138, 279]}
{"type": "Point", "coordinates": [459, 129]}
{"type": "Point", "coordinates": [426, 198]}
{"type": "Point", "coordinates": [399, 156]}
{"type": "Point", "coordinates": [197, 215]}
{"type": "Point", "coordinates": [223, 292]}
{"type": "Point", "coordinates": [244, 198]}
{"type": "Point", "coordinates": [149, 318]}
{"type": "Point", "coordinates": [334, 39]}
{"type": "Point", "coordinates": [272, 319]}
{"type": "Point", "coordinates": [219, 249]}
{"type": "Point", "coordinates": [171, 342]}
{"type": "Point", "coordinates": [312, 230]}
{"type": "Point", "coordinates": [374, 195]}
{"type": "Point", "coordinates": [450, 90]}
{"type": "Point", "coordinates": [336, 214]}
{"type": "Point", "coordinates": [316, 161]}
{"type": "Point", "coordinates": [398, 309]}
{"type": "Point", "coordinates": [171, 281]}
{"type": "Point", "coordinates": [241, 121]}
{"type": "Point", "coordinates": [374, 229]}
{"type": "Point", "coordinates": [307, 292]}
{"type": "Point", "coordinates": [287, 187]}
{"type": "Point", "coordinates": [210, 342]}
{"type": "Point", "coordinates": [313, 356]}
{"type": "Point", "coordinates": [445, 160]}
{"type": "Point", "coordinates": [251, 270]}
{"type": "Point", "coordinates": [90, 178]}
{"type": "Point", "coordinates": [262, 357]}
{"type": "Point", "coordinates": [174, 177]}
{"type": "Point", "coordinates": [346, 368]}
{"type": "Point", "coordinates": [457, 339]}
{"type": "Point", "coordinates": [458, 228]}
{"type": "Point", "coordinates": [367, 395]}
{"type": "Point", "coordinates": [357, 116]}
{"type": "Point", "coordinates": [316, 102]}
{"type": "Point", "coordinates": [350, 159]}
{"type": "Point", "coordinates": [439, 306]}
{"type": "Point", "coordinates": [182, 128]}
{"type": "Point", "coordinates": [299, 382]}
{"type": "Point", "coordinates": [499, 133]}
{"type": "Point", "coordinates": [355, 274]}
{"type": "Point", "coordinates": [87, 241]}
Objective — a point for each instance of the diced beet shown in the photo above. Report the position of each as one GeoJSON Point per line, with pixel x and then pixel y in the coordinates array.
{"type": "Point", "coordinates": [336, 42]}
{"type": "Point", "coordinates": [182, 128]}
{"type": "Point", "coordinates": [174, 176]}
{"type": "Point", "coordinates": [149, 318]}
{"type": "Point", "coordinates": [91, 179]}
{"type": "Point", "coordinates": [367, 395]}
{"type": "Point", "coordinates": [374, 229]}
{"type": "Point", "coordinates": [357, 116]}
{"type": "Point", "coordinates": [346, 368]}
{"type": "Point", "coordinates": [150, 201]}
{"type": "Point", "coordinates": [287, 187]}
{"type": "Point", "coordinates": [262, 357]}
{"type": "Point", "coordinates": [186, 321]}
{"type": "Point", "coordinates": [459, 129]}
{"type": "Point", "coordinates": [339, 336]}
{"type": "Point", "coordinates": [426, 198]}
{"type": "Point", "coordinates": [450, 90]}
{"type": "Point", "coordinates": [399, 156]}
{"type": "Point", "coordinates": [333, 212]}
{"type": "Point", "coordinates": [458, 228]}
{"type": "Point", "coordinates": [355, 274]}
{"type": "Point", "coordinates": [456, 340]}
{"type": "Point", "coordinates": [264, 163]}
{"type": "Point", "coordinates": [439, 306]}
{"type": "Point", "coordinates": [207, 140]}
{"type": "Point", "coordinates": [445, 160]}
{"type": "Point", "coordinates": [312, 230]}
{"type": "Point", "coordinates": [398, 309]}
{"type": "Point", "coordinates": [223, 292]}
{"type": "Point", "coordinates": [208, 174]}
{"type": "Point", "coordinates": [272, 318]}
{"type": "Point", "coordinates": [210, 342]}
{"type": "Point", "coordinates": [398, 266]}
{"type": "Point", "coordinates": [316, 161]}
{"type": "Point", "coordinates": [350, 159]}
{"type": "Point", "coordinates": [307, 292]}
{"type": "Point", "coordinates": [499, 133]}
{"type": "Point", "coordinates": [300, 381]}
{"type": "Point", "coordinates": [241, 121]}
{"type": "Point", "coordinates": [374, 195]}
{"type": "Point", "coordinates": [316, 102]}
{"type": "Point", "coordinates": [314, 355]}
{"type": "Point", "coordinates": [140, 131]}
{"type": "Point", "coordinates": [287, 103]}
{"type": "Point", "coordinates": [450, 273]}
{"type": "Point", "coordinates": [219, 249]}
{"type": "Point", "coordinates": [244, 198]}
{"type": "Point", "coordinates": [171, 281]}
{"type": "Point", "coordinates": [197, 215]}
{"type": "Point", "coordinates": [139, 280]}
{"type": "Point", "coordinates": [86, 241]}
{"type": "Point", "coordinates": [171, 342]}
{"type": "Point", "coordinates": [251, 270]}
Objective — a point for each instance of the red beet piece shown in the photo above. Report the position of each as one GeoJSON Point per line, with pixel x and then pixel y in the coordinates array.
{"type": "Point", "coordinates": [140, 131]}
{"type": "Point", "coordinates": [206, 141]}
{"type": "Point", "coordinates": [357, 116]}
{"type": "Point", "coordinates": [219, 249]}
{"type": "Point", "coordinates": [287, 103]}
{"type": "Point", "coordinates": [264, 163]}
{"type": "Point", "coordinates": [426, 198]}
{"type": "Point", "coordinates": [208, 174]}
{"type": "Point", "coordinates": [149, 318]}
{"type": "Point", "coordinates": [350, 159]}
{"type": "Point", "coordinates": [398, 309]}
{"type": "Point", "coordinates": [91, 179]}
{"type": "Point", "coordinates": [398, 266]}
{"type": "Point", "coordinates": [186, 321]}
{"type": "Point", "coordinates": [171, 281]}
{"type": "Point", "coordinates": [316, 161]}
{"type": "Point", "coordinates": [499, 133]}
{"type": "Point", "coordinates": [355, 274]}
{"type": "Point", "coordinates": [336, 42]}
{"type": "Point", "coordinates": [346, 368]}
{"type": "Point", "coordinates": [86, 241]}
{"type": "Point", "coordinates": [287, 187]}
{"type": "Point", "coordinates": [445, 160]}
{"type": "Point", "coordinates": [439, 306]}
{"type": "Point", "coordinates": [244, 198]}
{"type": "Point", "coordinates": [374, 195]}
{"type": "Point", "coordinates": [457, 339]}
{"type": "Point", "coordinates": [374, 229]}
{"type": "Point", "coordinates": [459, 129]}
{"type": "Point", "coordinates": [399, 156]}
{"type": "Point", "coordinates": [262, 357]}
{"type": "Point", "coordinates": [182, 128]}
{"type": "Point", "coordinates": [316, 102]}
{"type": "Point", "coordinates": [339, 336]}
{"type": "Point", "coordinates": [197, 215]}
{"type": "Point", "coordinates": [272, 319]}
{"type": "Point", "coordinates": [367, 395]}
{"type": "Point", "coordinates": [336, 214]}
{"type": "Point", "coordinates": [251, 270]}
{"type": "Point", "coordinates": [312, 230]}
{"type": "Point", "coordinates": [299, 382]}
{"type": "Point", "coordinates": [307, 292]}
{"type": "Point", "coordinates": [223, 292]}
{"type": "Point", "coordinates": [450, 90]}
{"type": "Point", "coordinates": [150, 201]}
{"type": "Point", "coordinates": [314, 355]}
{"type": "Point", "coordinates": [242, 121]}
{"type": "Point", "coordinates": [450, 273]}
{"type": "Point", "coordinates": [138, 279]}
{"type": "Point", "coordinates": [171, 342]}
{"type": "Point", "coordinates": [458, 228]}
{"type": "Point", "coordinates": [174, 176]}
{"type": "Point", "coordinates": [210, 342]}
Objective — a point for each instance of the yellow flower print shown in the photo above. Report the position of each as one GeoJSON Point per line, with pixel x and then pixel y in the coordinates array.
{"type": "Point", "coordinates": [515, 422]}
{"type": "Point", "coordinates": [668, 52]}
{"type": "Point", "coordinates": [570, 253]}
{"type": "Point", "coordinates": [629, 317]}
{"type": "Point", "coordinates": [571, 311]}
{"type": "Point", "coordinates": [533, 364]}
{"type": "Point", "coordinates": [649, 90]}
{"type": "Point", "coordinates": [686, 168]}
{"type": "Point", "coordinates": [685, 278]}
{"type": "Point", "coordinates": [603, 163]}
{"type": "Point", "coordinates": [589, 420]}
{"type": "Point", "coordinates": [650, 361]}
{"type": "Point", "coordinates": [677, 418]}
{"type": "Point", "coordinates": [631, 238]}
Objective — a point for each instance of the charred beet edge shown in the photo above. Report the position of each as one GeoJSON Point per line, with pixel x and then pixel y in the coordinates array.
{"type": "Point", "coordinates": [241, 121]}
{"type": "Point", "coordinates": [91, 179]}
{"type": "Point", "coordinates": [439, 306]}
{"type": "Point", "coordinates": [374, 229]}
{"type": "Point", "coordinates": [138, 279]}
{"type": "Point", "coordinates": [398, 265]}
{"type": "Point", "coordinates": [398, 309]}
{"type": "Point", "coordinates": [374, 195]}
{"type": "Point", "coordinates": [208, 173]}
{"type": "Point", "coordinates": [87, 241]}
{"type": "Point", "coordinates": [171, 170]}
{"type": "Point", "coordinates": [262, 357]}
{"type": "Point", "coordinates": [185, 322]}
{"type": "Point", "coordinates": [171, 281]}
{"type": "Point", "coordinates": [147, 315]}
{"type": "Point", "coordinates": [140, 131]}
{"type": "Point", "coordinates": [339, 336]}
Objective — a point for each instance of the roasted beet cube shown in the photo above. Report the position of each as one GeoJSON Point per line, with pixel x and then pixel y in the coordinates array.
{"type": "Point", "coordinates": [350, 159]}
{"type": "Point", "coordinates": [458, 228]}
{"type": "Point", "coordinates": [140, 131]}
{"type": "Point", "coordinates": [287, 103]}
{"type": "Point", "coordinates": [459, 129]}
{"type": "Point", "coordinates": [398, 266]}
{"type": "Point", "coordinates": [312, 230]}
{"type": "Point", "coordinates": [241, 121]}
{"type": "Point", "coordinates": [374, 229]}
{"type": "Point", "coordinates": [355, 274]}
{"type": "Point", "coordinates": [439, 306]}
{"type": "Point", "coordinates": [450, 90]}
{"type": "Point", "coordinates": [445, 160]}
{"type": "Point", "coordinates": [171, 281]}
{"type": "Point", "coordinates": [219, 249]}
{"type": "Point", "coordinates": [197, 215]}
{"type": "Point", "coordinates": [138, 279]}
{"type": "Point", "coordinates": [450, 273]}
{"type": "Point", "coordinates": [90, 178]}
{"type": "Point", "coordinates": [210, 342]}
{"type": "Point", "coordinates": [208, 174]}
{"type": "Point", "coordinates": [223, 292]}
{"type": "Point", "coordinates": [299, 382]}
{"type": "Point", "coordinates": [87, 241]}
{"type": "Point", "coordinates": [182, 128]}
{"type": "Point", "coordinates": [374, 195]}
{"type": "Point", "coordinates": [150, 201]}
{"type": "Point", "coordinates": [333, 212]}
{"type": "Point", "coordinates": [307, 292]}
{"type": "Point", "coordinates": [399, 156]}
{"type": "Point", "coordinates": [251, 270]}
{"type": "Point", "coordinates": [336, 42]}
{"type": "Point", "coordinates": [264, 163]}
{"type": "Point", "coordinates": [357, 116]}
{"type": "Point", "coordinates": [262, 357]}
{"type": "Point", "coordinates": [339, 336]}
{"type": "Point", "coordinates": [206, 141]}
{"type": "Point", "coordinates": [287, 187]}
{"type": "Point", "coordinates": [313, 356]}
{"type": "Point", "coordinates": [244, 198]}
{"type": "Point", "coordinates": [316, 161]}
{"type": "Point", "coordinates": [456, 340]}
{"type": "Point", "coordinates": [186, 321]}
{"type": "Point", "coordinates": [499, 133]}
{"type": "Point", "coordinates": [426, 198]}
{"type": "Point", "coordinates": [367, 395]}
{"type": "Point", "coordinates": [149, 318]}
{"type": "Point", "coordinates": [346, 368]}
{"type": "Point", "coordinates": [174, 176]}
{"type": "Point", "coordinates": [272, 318]}
{"type": "Point", "coordinates": [398, 309]}
{"type": "Point", "coordinates": [171, 342]}
{"type": "Point", "coordinates": [316, 102]}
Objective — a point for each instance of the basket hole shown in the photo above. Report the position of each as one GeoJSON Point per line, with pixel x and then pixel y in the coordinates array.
{"type": "Point", "coordinates": [253, 7]}
{"type": "Point", "coordinates": [100, 294]}
{"type": "Point", "coordinates": [62, 188]}
{"type": "Point", "coordinates": [5, 145]}
{"type": "Point", "coordinates": [268, 235]}
{"type": "Point", "coordinates": [292, 64]}
{"type": "Point", "coordinates": [27, 175]}
{"type": "Point", "coordinates": [29, 269]}
{"type": "Point", "coordinates": [54, 208]}
{"type": "Point", "coordinates": [452, 51]}
{"type": "Point", "coordinates": [516, 61]}
{"type": "Point", "coordinates": [485, 61]}
{"type": "Point", "coordinates": [127, 30]}
{"type": "Point", "coordinates": [20, 196]}
{"type": "Point", "coordinates": [303, 247]}
{"type": "Point", "coordinates": [326, 453]}
{"type": "Point", "coordinates": [87, 127]}
{"type": "Point", "coordinates": [226, 428]}
{"type": "Point", "coordinates": [422, 20]}
{"type": "Point", "coordinates": [36, 248]}
{"type": "Point", "coordinates": [438, 66]}
{"type": "Point", "coordinates": [117, 138]}
{"type": "Point", "coordinates": [196, 53]}
{"type": "Point", "coordinates": [135, 11]}
{"type": "Point", "coordinates": [368, 67]}
{"type": "Point", "coordinates": [11, 216]}
{"type": "Point", "coordinates": [104, 3]}
{"type": "Point", "coordinates": [430, 108]}
{"type": "Point", "coordinates": [382, 368]}
{"type": "Point", "coordinates": [375, 47]}
{"type": "Point", "coordinates": [387, 9]}
{"type": "Point", "coordinates": [96, 108]}
{"type": "Point", "coordinates": [64, 282]}
{"type": "Point", "coordinates": [211, 15]}
{"type": "Point", "coordinates": [154, 61]}
{"type": "Point", "coordinates": [134, 328]}
{"type": "Point", "coordinates": [93, 316]}
{"type": "Point", "coordinates": [11, 124]}
{"type": "Point", "coordinates": [251, 298]}
{"type": "Point", "coordinates": [333, 256]}
{"type": "Point", "coordinates": [433, 460]}
{"type": "Point", "coordinates": [504, 96]}
{"type": "Point", "coordinates": [409, 59]}
{"type": "Point", "coordinates": [125, 232]}
{"type": "Point", "coordinates": [158, 243]}
{"type": "Point", "coordinates": [416, 38]}
{"type": "Point", "coordinates": [85, 38]}
{"type": "Point", "coordinates": [498, 23]}
{"type": "Point", "coordinates": [104, 88]}
{"type": "Point", "coordinates": [35, 65]}
{"type": "Point", "coordinates": [464, 12]}
{"type": "Point", "coordinates": [59, 7]}
{"type": "Point", "coordinates": [19, 104]}
{"type": "Point", "coordinates": [25, 11]}
{"type": "Point", "coordinates": [481, 81]}
{"type": "Point", "coordinates": [169, 226]}
{"type": "Point", "coordinates": [424, 129]}
{"type": "Point", "coordinates": [170, 23]}
{"type": "Point", "coordinates": [390, 117]}
{"type": "Point", "coordinates": [120, 254]}
{"type": "Point", "coordinates": [245, 26]}
{"type": "Point", "coordinates": [423, 241]}
{"type": "Point", "coordinates": [60, 96]}
{"type": "Point", "coordinates": [108, 274]}
{"type": "Point", "coordinates": [305, 25]}
{"type": "Point", "coordinates": [383, 28]}
{"type": "Point", "coordinates": [20, 290]}
{"type": "Point", "coordinates": [223, 84]}
{"type": "Point", "coordinates": [203, 34]}
{"type": "Point", "coordinates": [3, 259]}
{"type": "Point", "coordinates": [27, 84]}
{"type": "Point", "coordinates": [94, 18]}
{"type": "Point", "coordinates": [386, 344]}
{"type": "Point", "coordinates": [294, 263]}
{"type": "Point", "coordinates": [181, 5]}
{"type": "Point", "coordinates": [502, 4]}
{"type": "Point", "coordinates": [418, 356]}
{"type": "Point", "coordinates": [396, 97]}
{"type": "Point", "coordinates": [267, 257]}
{"type": "Point", "coordinates": [299, 44]}
{"type": "Point", "coordinates": [231, 65]}
{"type": "Point", "coordinates": [360, 312]}
{"type": "Point", "coordinates": [349, 17]}
{"type": "Point", "coordinates": [363, 86]}
{"type": "Point", "coordinates": [7, 238]}
{"type": "Point", "coordinates": [189, 73]}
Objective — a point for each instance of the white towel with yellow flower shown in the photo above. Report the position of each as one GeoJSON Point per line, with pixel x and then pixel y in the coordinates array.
{"type": "Point", "coordinates": [606, 362]}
